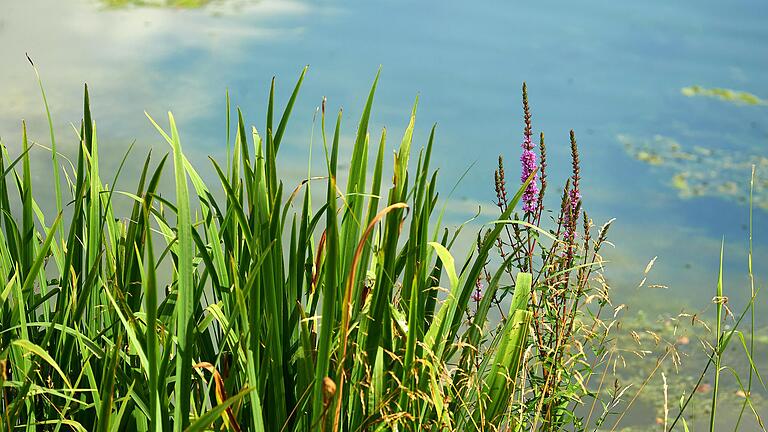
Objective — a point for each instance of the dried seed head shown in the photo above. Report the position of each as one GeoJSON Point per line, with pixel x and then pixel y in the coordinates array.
{"type": "Point", "coordinates": [329, 388]}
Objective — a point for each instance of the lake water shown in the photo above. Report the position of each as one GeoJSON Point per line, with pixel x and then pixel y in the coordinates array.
{"type": "Point", "coordinates": [673, 169]}
{"type": "Point", "coordinates": [612, 71]}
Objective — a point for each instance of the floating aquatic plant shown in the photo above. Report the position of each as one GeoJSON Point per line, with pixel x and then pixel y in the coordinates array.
{"type": "Point", "coordinates": [177, 4]}
{"type": "Point", "coordinates": [696, 171]}
{"type": "Point", "coordinates": [728, 95]}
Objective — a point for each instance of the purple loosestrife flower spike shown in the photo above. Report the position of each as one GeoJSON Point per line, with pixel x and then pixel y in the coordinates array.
{"type": "Point", "coordinates": [477, 295]}
{"type": "Point", "coordinates": [528, 161]}
{"type": "Point", "coordinates": [574, 195]}
{"type": "Point", "coordinates": [542, 172]}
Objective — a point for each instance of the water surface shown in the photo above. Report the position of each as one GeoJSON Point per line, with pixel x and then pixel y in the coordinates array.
{"type": "Point", "coordinates": [612, 71]}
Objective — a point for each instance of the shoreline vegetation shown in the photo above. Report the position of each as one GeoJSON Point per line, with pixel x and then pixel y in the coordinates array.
{"type": "Point", "coordinates": [356, 312]}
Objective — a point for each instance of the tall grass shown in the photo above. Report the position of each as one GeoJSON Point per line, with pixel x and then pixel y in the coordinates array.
{"type": "Point", "coordinates": [278, 316]}
{"type": "Point", "coordinates": [724, 339]}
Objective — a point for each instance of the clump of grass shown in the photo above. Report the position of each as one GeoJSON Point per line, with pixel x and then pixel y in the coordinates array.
{"type": "Point", "coordinates": [278, 316]}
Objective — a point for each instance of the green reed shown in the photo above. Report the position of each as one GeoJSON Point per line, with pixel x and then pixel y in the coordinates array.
{"type": "Point", "coordinates": [277, 316]}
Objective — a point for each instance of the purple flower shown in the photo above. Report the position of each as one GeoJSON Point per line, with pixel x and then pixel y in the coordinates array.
{"type": "Point", "coordinates": [477, 294]}
{"type": "Point", "coordinates": [528, 161]}
{"type": "Point", "coordinates": [574, 196]}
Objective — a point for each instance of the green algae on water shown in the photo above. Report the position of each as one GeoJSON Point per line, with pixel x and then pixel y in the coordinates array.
{"type": "Point", "coordinates": [696, 171]}
{"type": "Point", "coordinates": [728, 95]}
{"type": "Point", "coordinates": [177, 4]}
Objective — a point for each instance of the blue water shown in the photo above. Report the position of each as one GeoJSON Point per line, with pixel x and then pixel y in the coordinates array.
{"type": "Point", "coordinates": [602, 68]}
